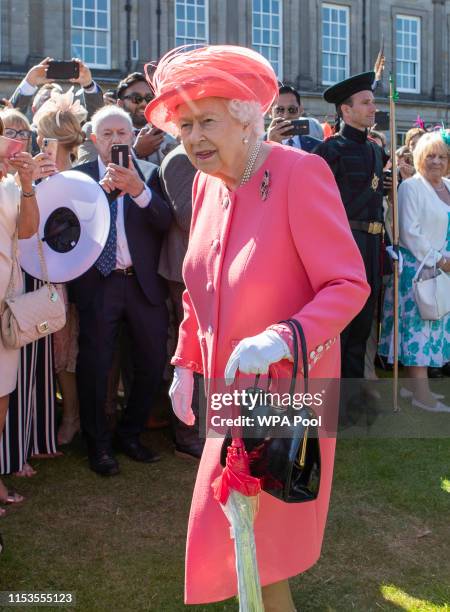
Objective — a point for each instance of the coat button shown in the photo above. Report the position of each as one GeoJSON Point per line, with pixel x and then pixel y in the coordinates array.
{"type": "Point", "coordinates": [226, 202]}
{"type": "Point", "coordinates": [210, 329]}
{"type": "Point", "coordinates": [209, 287]}
{"type": "Point", "coordinates": [216, 245]}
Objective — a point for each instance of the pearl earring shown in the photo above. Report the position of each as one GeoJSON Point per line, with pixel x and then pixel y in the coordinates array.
{"type": "Point", "coordinates": [245, 140]}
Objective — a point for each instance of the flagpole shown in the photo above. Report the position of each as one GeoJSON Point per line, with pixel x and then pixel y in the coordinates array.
{"type": "Point", "coordinates": [393, 97]}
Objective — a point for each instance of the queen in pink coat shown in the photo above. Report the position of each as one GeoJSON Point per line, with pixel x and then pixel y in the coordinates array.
{"type": "Point", "coordinates": [269, 241]}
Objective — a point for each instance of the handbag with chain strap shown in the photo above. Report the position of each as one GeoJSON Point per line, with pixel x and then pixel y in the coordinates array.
{"type": "Point", "coordinates": [30, 316]}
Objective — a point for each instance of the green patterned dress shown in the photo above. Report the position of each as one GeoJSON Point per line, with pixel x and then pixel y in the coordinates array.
{"type": "Point", "coordinates": [421, 343]}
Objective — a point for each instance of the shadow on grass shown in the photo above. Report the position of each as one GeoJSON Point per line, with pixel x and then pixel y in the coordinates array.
{"type": "Point", "coordinates": [119, 543]}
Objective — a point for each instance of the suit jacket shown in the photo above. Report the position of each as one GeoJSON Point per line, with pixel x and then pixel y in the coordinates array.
{"type": "Point", "coordinates": [177, 176]}
{"type": "Point", "coordinates": [144, 229]}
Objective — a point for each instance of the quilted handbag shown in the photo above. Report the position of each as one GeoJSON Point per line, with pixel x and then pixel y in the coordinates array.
{"type": "Point", "coordinates": [30, 316]}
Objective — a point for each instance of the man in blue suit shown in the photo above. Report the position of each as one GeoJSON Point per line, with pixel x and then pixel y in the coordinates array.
{"type": "Point", "coordinates": [123, 285]}
{"type": "Point", "coordinates": [286, 108]}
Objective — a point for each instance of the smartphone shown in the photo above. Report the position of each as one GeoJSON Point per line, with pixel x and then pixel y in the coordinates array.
{"type": "Point", "coordinates": [9, 147]}
{"type": "Point", "coordinates": [382, 121]}
{"type": "Point", "coordinates": [63, 71]}
{"type": "Point", "coordinates": [50, 146]}
{"type": "Point", "coordinates": [119, 155]}
{"type": "Point", "coordinates": [300, 127]}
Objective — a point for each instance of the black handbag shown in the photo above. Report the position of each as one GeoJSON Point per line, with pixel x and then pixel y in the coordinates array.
{"type": "Point", "coordinates": [288, 467]}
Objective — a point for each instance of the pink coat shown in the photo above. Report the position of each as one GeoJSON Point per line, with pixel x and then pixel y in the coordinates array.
{"type": "Point", "coordinates": [251, 263]}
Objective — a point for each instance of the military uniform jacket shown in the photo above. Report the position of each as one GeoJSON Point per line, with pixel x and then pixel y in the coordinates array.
{"type": "Point", "coordinates": [357, 164]}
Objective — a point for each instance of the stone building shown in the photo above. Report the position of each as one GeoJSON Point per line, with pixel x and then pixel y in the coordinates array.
{"type": "Point", "coordinates": [311, 43]}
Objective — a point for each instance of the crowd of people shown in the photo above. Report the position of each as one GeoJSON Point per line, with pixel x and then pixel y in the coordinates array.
{"type": "Point", "coordinates": [128, 311]}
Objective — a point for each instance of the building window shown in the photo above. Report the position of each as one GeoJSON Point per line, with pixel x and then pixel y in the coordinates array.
{"type": "Point", "coordinates": [91, 32]}
{"type": "Point", "coordinates": [191, 22]}
{"type": "Point", "coordinates": [335, 43]}
{"type": "Point", "coordinates": [266, 32]}
{"type": "Point", "coordinates": [408, 53]}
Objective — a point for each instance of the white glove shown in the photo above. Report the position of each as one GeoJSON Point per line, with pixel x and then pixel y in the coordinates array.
{"type": "Point", "coordinates": [254, 355]}
{"type": "Point", "coordinates": [180, 394]}
{"type": "Point", "coordinates": [393, 255]}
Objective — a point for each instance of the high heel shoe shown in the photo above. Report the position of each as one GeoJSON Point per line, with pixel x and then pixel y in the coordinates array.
{"type": "Point", "coordinates": [438, 406]}
{"type": "Point", "coordinates": [68, 430]}
{"type": "Point", "coordinates": [407, 394]}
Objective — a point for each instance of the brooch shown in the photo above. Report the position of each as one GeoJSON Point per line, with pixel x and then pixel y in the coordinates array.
{"type": "Point", "coordinates": [265, 186]}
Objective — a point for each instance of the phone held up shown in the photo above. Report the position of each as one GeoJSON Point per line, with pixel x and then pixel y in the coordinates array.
{"type": "Point", "coordinates": [119, 155]}
{"type": "Point", "coordinates": [50, 146]}
{"type": "Point", "coordinates": [62, 70]}
{"type": "Point", "coordinates": [10, 147]}
{"type": "Point", "coordinates": [300, 127]}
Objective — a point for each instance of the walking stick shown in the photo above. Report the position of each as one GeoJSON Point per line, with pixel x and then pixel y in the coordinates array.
{"type": "Point", "coordinates": [393, 97]}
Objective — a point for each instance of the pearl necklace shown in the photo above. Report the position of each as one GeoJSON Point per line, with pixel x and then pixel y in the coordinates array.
{"type": "Point", "coordinates": [440, 189]}
{"type": "Point", "coordinates": [250, 163]}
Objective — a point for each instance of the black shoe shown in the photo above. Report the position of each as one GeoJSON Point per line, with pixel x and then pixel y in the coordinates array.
{"type": "Point", "coordinates": [435, 373]}
{"type": "Point", "coordinates": [189, 452]}
{"type": "Point", "coordinates": [446, 369]}
{"type": "Point", "coordinates": [104, 463]}
{"type": "Point", "coordinates": [136, 451]}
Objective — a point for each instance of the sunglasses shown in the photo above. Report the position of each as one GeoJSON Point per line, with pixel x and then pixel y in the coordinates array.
{"type": "Point", "coordinates": [291, 110]}
{"type": "Point", "coordinates": [137, 98]}
{"type": "Point", "coordinates": [12, 133]}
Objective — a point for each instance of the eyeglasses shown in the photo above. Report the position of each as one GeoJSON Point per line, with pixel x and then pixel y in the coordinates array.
{"type": "Point", "coordinates": [137, 98]}
{"type": "Point", "coordinates": [291, 110]}
{"type": "Point", "coordinates": [12, 133]}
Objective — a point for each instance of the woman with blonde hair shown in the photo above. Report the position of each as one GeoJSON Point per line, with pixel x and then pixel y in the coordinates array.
{"type": "Point", "coordinates": [17, 126]}
{"type": "Point", "coordinates": [18, 213]}
{"type": "Point", "coordinates": [424, 226]}
{"type": "Point", "coordinates": [60, 118]}
{"type": "Point", "coordinates": [27, 422]}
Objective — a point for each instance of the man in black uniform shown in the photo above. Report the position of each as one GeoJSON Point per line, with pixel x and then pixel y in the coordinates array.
{"type": "Point", "coordinates": [357, 164]}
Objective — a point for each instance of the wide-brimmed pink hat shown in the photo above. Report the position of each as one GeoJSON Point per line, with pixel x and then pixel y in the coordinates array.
{"type": "Point", "coordinates": [223, 71]}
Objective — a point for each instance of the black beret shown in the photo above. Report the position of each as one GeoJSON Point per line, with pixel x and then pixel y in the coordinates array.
{"type": "Point", "coordinates": [339, 92]}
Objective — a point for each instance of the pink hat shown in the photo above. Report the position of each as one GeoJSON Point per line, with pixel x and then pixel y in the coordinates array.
{"type": "Point", "coordinates": [222, 71]}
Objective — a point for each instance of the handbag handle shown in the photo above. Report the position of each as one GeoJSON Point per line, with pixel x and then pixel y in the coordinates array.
{"type": "Point", "coordinates": [10, 290]}
{"type": "Point", "coordinates": [420, 268]}
{"type": "Point", "coordinates": [298, 333]}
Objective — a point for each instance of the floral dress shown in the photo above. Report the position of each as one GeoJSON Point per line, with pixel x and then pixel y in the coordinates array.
{"type": "Point", "coordinates": [421, 343]}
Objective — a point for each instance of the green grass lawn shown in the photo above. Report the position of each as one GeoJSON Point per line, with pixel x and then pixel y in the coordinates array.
{"type": "Point", "coordinates": [119, 543]}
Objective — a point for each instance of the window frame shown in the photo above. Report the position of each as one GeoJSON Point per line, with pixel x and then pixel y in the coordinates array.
{"type": "Point", "coordinates": [346, 10]}
{"type": "Point", "coordinates": [418, 63]}
{"type": "Point", "coordinates": [197, 41]}
{"type": "Point", "coordinates": [83, 29]}
{"type": "Point", "coordinates": [257, 46]}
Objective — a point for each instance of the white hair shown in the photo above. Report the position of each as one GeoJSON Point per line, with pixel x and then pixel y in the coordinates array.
{"type": "Point", "coordinates": [248, 113]}
{"type": "Point", "coordinates": [111, 110]}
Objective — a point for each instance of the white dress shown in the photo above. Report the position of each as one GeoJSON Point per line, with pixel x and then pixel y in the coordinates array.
{"type": "Point", "coordinates": [9, 208]}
